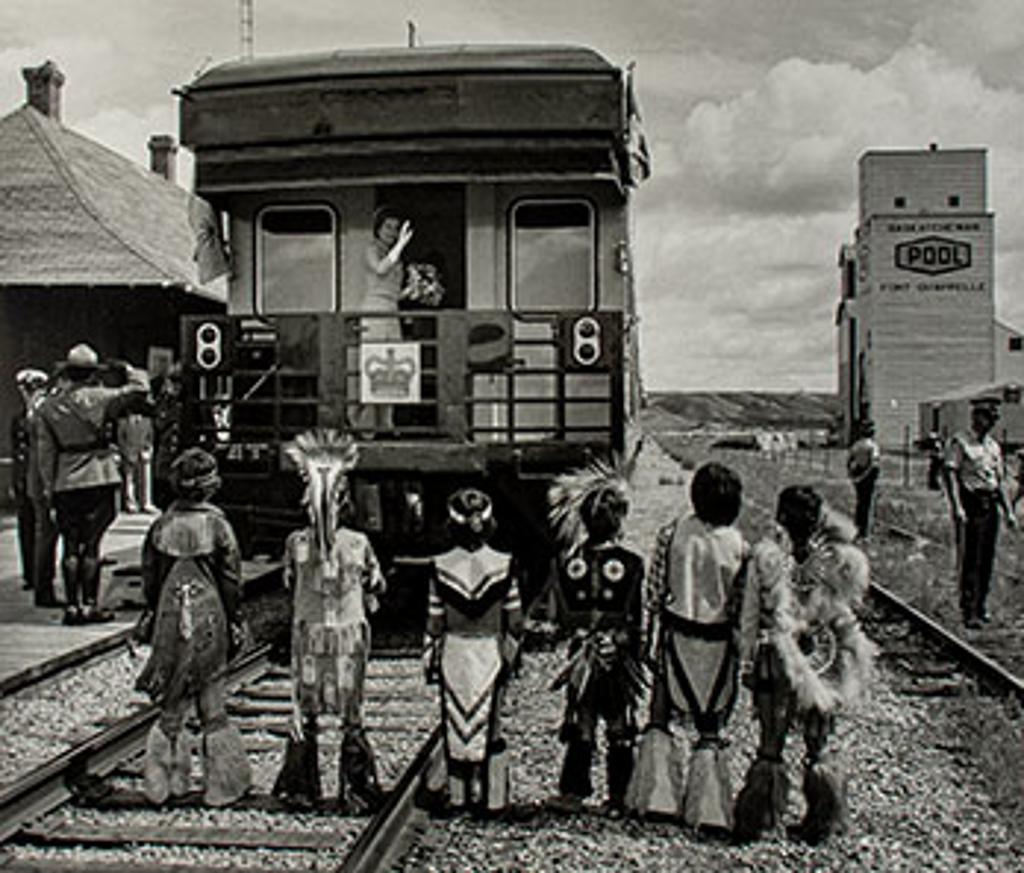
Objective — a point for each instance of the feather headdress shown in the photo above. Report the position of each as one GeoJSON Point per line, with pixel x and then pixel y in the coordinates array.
{"type": "Point", "coordinates": [570, 493]}
{"type": "Point", "coordinates": [323, 458]}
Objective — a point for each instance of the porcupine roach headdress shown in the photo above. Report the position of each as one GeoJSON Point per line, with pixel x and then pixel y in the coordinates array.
{"type": "Point", "coordinates": [572, 494]}
{"type": "Point", "coordinates": [323, 458]}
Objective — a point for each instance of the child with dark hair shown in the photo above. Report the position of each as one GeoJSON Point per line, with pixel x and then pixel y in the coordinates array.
{"type": "Point", "coordinates": [598, 599]}
{"type": "Point", "coordinates": [191, 580]}
{"type": "Point", "coordinates": [804, 657]}
{"type": "Point", "coordinates": [691, 599]}
{"type": "Point", "coordinates": [474, 622]}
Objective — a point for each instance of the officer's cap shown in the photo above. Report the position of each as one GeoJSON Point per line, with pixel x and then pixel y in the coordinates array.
{"type": "Point", "coordinates": [83, 356]}
{"type": "Point", "coordinates": [30, 378]}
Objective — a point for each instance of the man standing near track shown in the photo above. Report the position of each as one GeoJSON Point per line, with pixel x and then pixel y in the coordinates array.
{"type": "Point", "coordinates": [30, 384]}
{"type": "Point", "coordinates": [863, 465]}
{"type": "Point", "coordinates": [974, 483]}
{"type": "Point", "coordinates": [79, 470]}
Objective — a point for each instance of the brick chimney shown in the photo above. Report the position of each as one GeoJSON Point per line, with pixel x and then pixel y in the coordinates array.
{"type": "Point", "coordinates": [43, 92]}
{"type": "Point", "coordinates": [162, 152]}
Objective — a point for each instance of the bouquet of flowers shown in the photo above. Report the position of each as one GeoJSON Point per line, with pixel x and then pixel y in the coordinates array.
{"type": "Point", "coordinates": [423, 285]}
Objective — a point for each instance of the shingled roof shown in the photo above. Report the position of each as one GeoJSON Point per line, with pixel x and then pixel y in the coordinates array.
{"type": "Point", "coordinates": [73, 212]}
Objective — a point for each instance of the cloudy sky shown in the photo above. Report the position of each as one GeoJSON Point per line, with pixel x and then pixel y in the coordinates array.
{"type": "Point", "coordinates": [756, 112]}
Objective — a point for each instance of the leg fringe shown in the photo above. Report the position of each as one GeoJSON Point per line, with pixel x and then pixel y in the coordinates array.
{"type": "Point", "coordinates": [708, 798]}
{"type": "Point", "coordinates": [656, 786]}
{"type": "Point", "coordinates": [359, 791]}
{"type": "Point", "coordinates": [226, 766]}
{"type": "Point", "coordinates": [762, 800]}
{"type": "Point", "coordinates": [157, 766]}
{"type": "Point", "coordinates": [298, 783]}
{"type": "Point", "coordinates": [827, 811]}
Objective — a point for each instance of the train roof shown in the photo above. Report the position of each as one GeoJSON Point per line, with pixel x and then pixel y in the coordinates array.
{"type": "Point", "coordinates": [426, 60]}
{"type": "Point", "coordinates": [439, 113]}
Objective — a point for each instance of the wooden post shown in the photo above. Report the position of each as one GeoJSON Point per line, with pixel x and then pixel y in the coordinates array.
{"type": "Point", "coordinates": [906, 456]}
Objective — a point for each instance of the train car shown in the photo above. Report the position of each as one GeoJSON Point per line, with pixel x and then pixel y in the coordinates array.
{"type": "Point", "coordinates": [515, 166]}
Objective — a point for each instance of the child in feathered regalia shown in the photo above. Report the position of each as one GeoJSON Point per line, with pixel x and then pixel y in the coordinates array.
{"type": "Point", "coordinates": [598, 597]}
{"type": "Point", "coordinates": [805, 658]}
{"type": "Point", "coordinates": [336, 580]}
{"type": "Point", "coordinates": [474, 623]}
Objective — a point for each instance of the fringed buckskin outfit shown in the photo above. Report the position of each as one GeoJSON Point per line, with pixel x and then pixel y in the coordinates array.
{"type": "Point", "coordinates": [692, 595]}
{"type": "Point", "coordinates": [336, 580]}
{"type": "Point", "coordinates": [807, 658]}
{"type": "Point", "coordinates": [474, 622]}
{"type": "Point", "coordinates": [599, 600]}
{"type": "Point", "coordinates": [190, 569]}
{"type": "Point", "coordinates": [330, 648]}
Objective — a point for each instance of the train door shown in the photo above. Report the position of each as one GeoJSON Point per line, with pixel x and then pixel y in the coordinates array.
{"type": "Point", "coordinates": [438, 216]}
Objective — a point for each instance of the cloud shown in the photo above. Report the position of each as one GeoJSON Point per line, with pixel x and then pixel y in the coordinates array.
{"type": "Point", "coordinates": [753, 194]}
{"type": "Point", "coordinates": [129, 132]}
{"type": "Point", "coordinates": [792, 143]}
{"type": "Point", "coordinates": [734, 301]}
{"type": "Point", "coordinates": [987, 34]}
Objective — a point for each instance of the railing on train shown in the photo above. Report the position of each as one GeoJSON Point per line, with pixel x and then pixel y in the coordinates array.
{"type": "Point", "coordinates": [526, 397]}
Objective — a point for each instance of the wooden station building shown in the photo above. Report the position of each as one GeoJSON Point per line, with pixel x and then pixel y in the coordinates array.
{"type": "Point", "coordinates": [93, 247]}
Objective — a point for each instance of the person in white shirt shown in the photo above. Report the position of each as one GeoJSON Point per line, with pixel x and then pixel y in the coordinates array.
{"type": "Point", "coordinates": [974, 485]}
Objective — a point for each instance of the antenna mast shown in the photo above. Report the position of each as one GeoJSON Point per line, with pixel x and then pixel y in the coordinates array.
{"type": "Point", "coordinates": [245, 29]}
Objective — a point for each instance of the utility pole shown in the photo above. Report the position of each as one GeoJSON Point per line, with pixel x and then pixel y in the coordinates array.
{"type": "Point", "coordinates": [245, 29]}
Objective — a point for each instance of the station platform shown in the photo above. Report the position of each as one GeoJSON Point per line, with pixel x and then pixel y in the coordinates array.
{"type": "Point", "coordinates": [32, 637]}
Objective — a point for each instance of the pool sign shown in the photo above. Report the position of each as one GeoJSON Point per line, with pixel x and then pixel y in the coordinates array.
{"type": "Point", "coordinates": [933, 255]}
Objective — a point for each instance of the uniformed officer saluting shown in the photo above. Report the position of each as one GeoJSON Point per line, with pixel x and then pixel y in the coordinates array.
{"type": "Point", "coordinates": [79, 470]}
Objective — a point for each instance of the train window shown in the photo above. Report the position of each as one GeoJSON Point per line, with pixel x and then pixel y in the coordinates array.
{"type": "Point", "coordinates": [553, 255]}
{"type": "Point", "coordinates": [296, 257]}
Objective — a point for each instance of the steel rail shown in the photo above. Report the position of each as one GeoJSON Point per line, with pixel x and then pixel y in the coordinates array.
{"type": "Point", "coordinates": [75, 658]}
{"type": "Point", "coordinates": [380, 842]}
{"type": "Point", "coordinates": [52, 784]}
{"type": "Point", "coordinates": [965, 654]}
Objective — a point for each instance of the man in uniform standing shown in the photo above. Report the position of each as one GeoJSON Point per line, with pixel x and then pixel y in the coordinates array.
{"type": "Point", "coordinates": [974, 484]}
{"type": "Point", "coordinates": [30, 384]}
{"type": "Point", "coordinates": [79, 469]}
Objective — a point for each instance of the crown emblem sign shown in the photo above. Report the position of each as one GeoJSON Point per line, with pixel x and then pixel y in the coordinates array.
{"type": "Point", "coordinates": [390, 375]}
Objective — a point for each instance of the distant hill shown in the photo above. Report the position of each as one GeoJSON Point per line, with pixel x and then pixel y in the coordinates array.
{"type": "Point", "coordinates": [738, 409]}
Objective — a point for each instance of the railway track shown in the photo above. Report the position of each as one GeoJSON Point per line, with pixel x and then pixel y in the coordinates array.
{"type": "Point", "coordinates": [991, 655]}
{"type": "Point", "coordinates": [992, 674]}
{"type": "Point", "coordinates": [84, 809]}
{"type": "Point", "coordinates": [935, 661]}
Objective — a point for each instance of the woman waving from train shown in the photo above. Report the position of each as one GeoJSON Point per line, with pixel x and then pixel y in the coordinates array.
{"type": "Point", "coordinates": [385, 274]}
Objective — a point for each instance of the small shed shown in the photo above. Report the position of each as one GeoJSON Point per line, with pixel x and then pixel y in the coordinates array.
{"type": "Point", "coordinates": [952, 412]}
